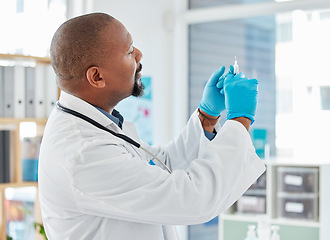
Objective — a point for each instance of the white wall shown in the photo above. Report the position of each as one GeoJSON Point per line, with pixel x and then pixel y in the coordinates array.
{"type": "Point", "coordinates": [146, 21]}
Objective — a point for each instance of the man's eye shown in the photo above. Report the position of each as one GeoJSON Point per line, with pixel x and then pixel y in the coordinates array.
{"type": "Point", "coordinates": [131, 51]}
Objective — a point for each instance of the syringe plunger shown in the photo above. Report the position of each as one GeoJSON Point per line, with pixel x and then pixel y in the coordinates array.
{"type": "Point", "coordinates": [236, 68]}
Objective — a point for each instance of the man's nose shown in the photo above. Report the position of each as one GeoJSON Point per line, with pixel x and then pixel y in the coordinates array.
{"type": "Point", "coordinates": [138, 55]}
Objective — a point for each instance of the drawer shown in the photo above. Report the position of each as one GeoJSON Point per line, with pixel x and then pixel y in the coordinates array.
{"type": "Point", "coordinates": [298, 206]}
{"type": "Point", "coordinates": [251, 204]}
{"type": "Point", "coordinates": [297, 180]}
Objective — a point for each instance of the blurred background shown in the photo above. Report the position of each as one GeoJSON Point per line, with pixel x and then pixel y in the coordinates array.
{"type": "Point", "coordinates": [284, 44]}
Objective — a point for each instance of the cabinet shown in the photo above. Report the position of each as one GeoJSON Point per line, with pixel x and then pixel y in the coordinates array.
{"type": "Point", "coordinates": [297, 199]}
{"type": "Point", "coordinates": [13, 125]}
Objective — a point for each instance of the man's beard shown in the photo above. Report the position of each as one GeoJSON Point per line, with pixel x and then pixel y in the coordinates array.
{"type": "Point", "coordinates": [138, 85]}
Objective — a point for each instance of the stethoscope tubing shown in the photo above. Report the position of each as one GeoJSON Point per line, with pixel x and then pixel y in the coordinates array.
{"type": "Point", "coordinates": [96, 124]}
{"type": "Point", "coordinates": [100, 126]}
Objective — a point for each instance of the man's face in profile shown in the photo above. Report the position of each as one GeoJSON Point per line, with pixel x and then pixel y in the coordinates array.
{"type": "Point", "coordinates": [121, 67]}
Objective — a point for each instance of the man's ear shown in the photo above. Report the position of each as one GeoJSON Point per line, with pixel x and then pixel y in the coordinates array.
{"type": "Point", "coordinates": [94, 77]}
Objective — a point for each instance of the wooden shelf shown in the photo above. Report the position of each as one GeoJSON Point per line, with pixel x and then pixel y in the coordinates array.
{"type": "Point", "coordinates": [19, 120]}
{"type": "Point", "coordinates": [13, 125]}
{"type": "Point", "coordinates": [18, 57]}
{"type": "Point", "coordinates": [17, 185]}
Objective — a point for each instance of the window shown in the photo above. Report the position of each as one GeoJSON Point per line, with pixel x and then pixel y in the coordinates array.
{"type": "Point", "coordinates": [287, 53]}
{"type": "Point", "coordinates": [252, 40]}
{"type": "Point", "coordinates": [27, 26]}
{"type": "Point", "coordinates": [303, 95]}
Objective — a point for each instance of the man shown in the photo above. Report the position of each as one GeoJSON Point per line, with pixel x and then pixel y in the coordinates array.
{"type": "Point", "coordinates": [94, 185]}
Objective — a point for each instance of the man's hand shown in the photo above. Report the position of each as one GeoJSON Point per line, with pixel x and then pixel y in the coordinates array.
{"type": "Point", "coordinates": [241, 96]}
{"type": "Point", "coordinates": [213, 102]}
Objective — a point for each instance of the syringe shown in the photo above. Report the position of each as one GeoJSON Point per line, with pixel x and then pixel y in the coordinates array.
{"type": "Point", "coordinates": [236, 68]}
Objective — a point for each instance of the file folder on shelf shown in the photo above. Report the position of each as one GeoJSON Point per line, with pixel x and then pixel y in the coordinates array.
{"type": "Point", "coordinates": [19, 92]}
{"type": "Point", "coordinates": [40, 91]}
{"type": "Point", "coordinates": [8, 78]}
{"type": "Point", "coordinates": [52, 90]}
{"type": "Point", "coordinates": [2, 158]}
{"type": "Point", "coordinates": [2, 105]}
{"type": "Point", "coordinates": [29, 94]}
{"type": "Point", "coordinates": [5, 156]}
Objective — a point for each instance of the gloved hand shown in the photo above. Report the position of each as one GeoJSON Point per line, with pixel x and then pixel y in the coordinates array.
{"type": "Point", "coordinates": [241, 95]}
{"type": "Point", "coordinates": [213, 102]}
{"type": "Point", "coordinates": [222, 78]}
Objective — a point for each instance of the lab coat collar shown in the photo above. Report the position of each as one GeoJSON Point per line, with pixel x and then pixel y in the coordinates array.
{"type": "Point", "coordinates": [85, 108]}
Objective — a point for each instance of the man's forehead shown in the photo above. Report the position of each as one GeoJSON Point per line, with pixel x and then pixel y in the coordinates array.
{"type": "Point", "coordinates": [116, 31]}
{"type": "Point", "coordinates": [129, 36]}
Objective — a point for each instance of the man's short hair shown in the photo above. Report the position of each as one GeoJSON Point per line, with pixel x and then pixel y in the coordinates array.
{"type": "Point", "coordinates": [77, 45]}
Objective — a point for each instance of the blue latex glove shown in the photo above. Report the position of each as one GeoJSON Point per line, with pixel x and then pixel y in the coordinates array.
{"type": "Point", "coordinates": [222, 78]}
{"type": "Point", "coordinates": [241, 96]}
{"type": "Point", "coordinates": [213, 102]}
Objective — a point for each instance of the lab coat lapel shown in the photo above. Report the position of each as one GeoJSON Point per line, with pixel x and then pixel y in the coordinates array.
{"type": "Point", "coordinates": [87, 109]}
{"type": "Point", "coordinates": [130, 130]}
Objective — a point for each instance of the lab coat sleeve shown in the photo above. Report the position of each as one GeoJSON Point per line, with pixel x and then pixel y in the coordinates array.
{"type": "Point", "coordinates": [182, 150]}
{"type": "Point", "coordinates": [108, 181]}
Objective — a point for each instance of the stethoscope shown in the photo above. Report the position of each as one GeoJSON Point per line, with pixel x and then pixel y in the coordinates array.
{"type": "Point", "coordinates": [100, 126]}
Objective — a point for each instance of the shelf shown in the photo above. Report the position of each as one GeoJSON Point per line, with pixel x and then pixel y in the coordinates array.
{"type": "Point", "coordinates": [13, 125]}
{"type": "Point", "coordinates": [295, 222]}
{"type": "Point", "coordinates": [242, 217]}
{"type": "Point", "coordinates": [16, 185]}
{"type": "Point", "coordinates": [19, 120]}
{"type": "Point", "coordinates": [256, 217]}
{"type": "Point", "coordinates": [18, 57]}
{"type": "Point", "coordinates": [296, 162]}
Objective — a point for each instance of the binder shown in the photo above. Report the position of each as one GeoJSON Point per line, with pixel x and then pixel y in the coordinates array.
{"type": "Point", "coordinates": [19, 92]}
{"type": "Point", "coordinates": [40, 91]}
{"type": "Point", "coordinates": [6, 151]}
{"type": "Point", "coordinates": [29, 92]}
{"type": "Point", "coordinates": [8, 78]}
{"type": "Point", "coordinates": [2, 99]}
{"type": "Point", "coordinates": [2, 158]}
{"type": "Point", "coordinates": [52, 90]}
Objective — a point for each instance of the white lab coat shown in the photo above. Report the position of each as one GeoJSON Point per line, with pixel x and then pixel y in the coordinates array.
{"type": "Point", "coordinates": [93, 185]}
